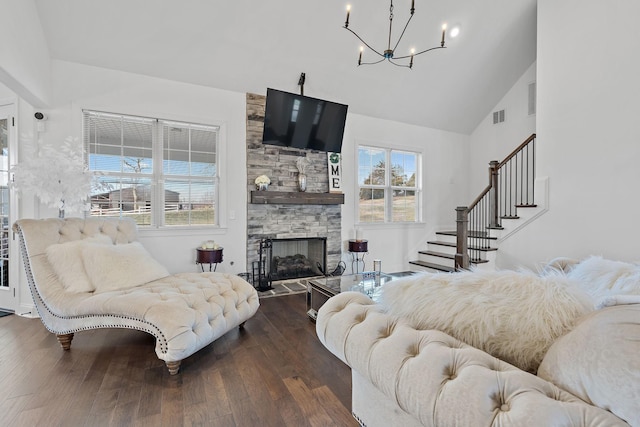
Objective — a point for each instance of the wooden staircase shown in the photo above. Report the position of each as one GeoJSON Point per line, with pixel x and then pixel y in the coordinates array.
{"type": "Point", "coordinates": [480, 226]}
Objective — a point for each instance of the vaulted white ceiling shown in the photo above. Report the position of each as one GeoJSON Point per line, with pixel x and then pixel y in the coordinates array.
{"type": "Point", "coordinates": [249, 45]}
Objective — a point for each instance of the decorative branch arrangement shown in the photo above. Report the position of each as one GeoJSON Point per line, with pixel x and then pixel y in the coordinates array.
{"type": "Point", "coordinates": [57, 175]}
{"type": "Point", "coordinates": [302, 164]}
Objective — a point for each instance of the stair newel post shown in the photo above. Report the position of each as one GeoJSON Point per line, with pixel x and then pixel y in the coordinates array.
{"type": "Point", "coordinates": [462, 234]}
{"type": "Point", "coordinates": [494, 207]}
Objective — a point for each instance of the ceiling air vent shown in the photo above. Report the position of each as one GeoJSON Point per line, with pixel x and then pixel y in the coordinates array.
{"type": "Point", "coordinates": [498, 117]}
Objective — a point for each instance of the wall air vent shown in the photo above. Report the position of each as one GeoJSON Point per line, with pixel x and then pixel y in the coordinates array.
{"type": "Point", "coordinates": [498, 117]}
{"type": "Point", "coordinates": [532, 99]}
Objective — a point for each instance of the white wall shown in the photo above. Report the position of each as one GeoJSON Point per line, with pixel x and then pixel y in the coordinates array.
{"type": "Point", "coordinates": [445, 163]}
{"type": "Point", "coordinates": [25, 66]}
{"type": "Point", "coordinates": [588, 132]}
{"type": "Point", "coordinates": [80, 87]}
{"type": "Point", "coordinates": [494, 142]}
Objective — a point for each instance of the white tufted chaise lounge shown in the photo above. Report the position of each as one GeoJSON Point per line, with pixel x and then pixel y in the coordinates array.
{"type": "Point", "coordinates": [406, 377]}
{"type": "Point", "coordinates": [184, 312]}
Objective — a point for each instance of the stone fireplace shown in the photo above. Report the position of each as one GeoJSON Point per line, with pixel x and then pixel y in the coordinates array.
{"type": "Point", "coordinates": [270, 217]}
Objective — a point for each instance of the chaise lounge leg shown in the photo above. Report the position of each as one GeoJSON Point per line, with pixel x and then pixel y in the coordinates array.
{"type": "Point", "coordinates": [173, 367]}
{"type": "Point", "coordinates": [65, 340]}
{"type": "Point", "coordinates": [241, 325]}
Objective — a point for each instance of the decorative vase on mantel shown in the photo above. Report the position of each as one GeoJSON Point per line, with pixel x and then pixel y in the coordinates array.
{"type": "Point", "coordinates": [302, 182]}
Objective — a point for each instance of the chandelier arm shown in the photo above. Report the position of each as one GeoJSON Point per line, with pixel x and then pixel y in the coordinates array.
{"type": "Point", "coordinates": [372, 63]}
{"type": "Point", "coordinates": [402, 34]}
{"type": "Point", "coordinates": [418, 53]}
{"type": "Point", "coordinates": [398, 65]}
{"type": "Point", "coordinates": [364, 42]}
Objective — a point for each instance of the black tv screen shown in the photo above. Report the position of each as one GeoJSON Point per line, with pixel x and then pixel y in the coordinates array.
{"type": "Point", "coordinates": [298, 121]}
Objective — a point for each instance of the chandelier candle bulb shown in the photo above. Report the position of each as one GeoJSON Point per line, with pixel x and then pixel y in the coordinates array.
{"type": "Point", "coordinates": [360, 57]}
{"type": "Point", "coordinates": [413, 9]}
{"type": "Point", "coordinates": [411, 61]}
{"type": "Point", "coordinates": [444, 30]}
{"type": "Point", "coordinates": [346, 23]}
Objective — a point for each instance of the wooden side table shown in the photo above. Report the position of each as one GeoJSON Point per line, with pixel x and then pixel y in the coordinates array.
{"type": "Point", "coordinates": [209, 256]}
{"type": "Point", "coordinates": [358, 249]}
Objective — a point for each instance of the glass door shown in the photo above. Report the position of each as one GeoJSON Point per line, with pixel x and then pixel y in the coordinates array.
{"type": "Point", "coordinates": [7, 291]}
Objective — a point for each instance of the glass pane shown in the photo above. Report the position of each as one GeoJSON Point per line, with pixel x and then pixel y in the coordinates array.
{"type": "Point", "coordinates": [121, 197]}
{"type": "Point", "coordinates": [189, 202]}
{"type": "Point", "coordinates": [371, 166]}
{"type": "Point", "coordinates": [403, 168]}
{"type": "Point", "coordinates": [403, 206]}
{"type": "Point", "coordinates": [371, 205]}
{"type": "Point", "coordinates": [117, 145]}
{"type": "Point", "coordinates": [189, 151]}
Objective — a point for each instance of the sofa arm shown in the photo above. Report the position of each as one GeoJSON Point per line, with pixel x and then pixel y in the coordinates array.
{"type": "Point", "coordinates": [439, 380]}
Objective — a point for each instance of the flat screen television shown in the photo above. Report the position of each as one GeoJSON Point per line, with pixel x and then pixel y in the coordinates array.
{"type": "Point", "coordinates": [298, 121]}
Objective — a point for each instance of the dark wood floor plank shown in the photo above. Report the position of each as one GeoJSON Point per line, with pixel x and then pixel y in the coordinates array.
{"type": "Point", "coordinates": [330, 402]}
{"type": "Point", "coordinates": [274, 372]}
{"type": "Point", "coordinates": [311, 408]}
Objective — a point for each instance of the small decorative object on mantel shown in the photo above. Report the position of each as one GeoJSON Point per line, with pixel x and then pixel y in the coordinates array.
{"type": "Point", "coordinates": [302, 164]}
{"type": "Point", "coordinates": [335, 181]}
{"type": "Point", "coordinates": [57, 175]}
{"type": "Point", "coordinates": [262, 182]}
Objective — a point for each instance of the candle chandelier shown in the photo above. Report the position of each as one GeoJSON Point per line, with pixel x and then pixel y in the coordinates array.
{"type": "Point", "coordinates": [389, 53]}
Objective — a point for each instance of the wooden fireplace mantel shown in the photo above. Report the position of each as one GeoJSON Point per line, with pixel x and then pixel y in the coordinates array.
{"type": "Point", "coordinates": [296, 198]}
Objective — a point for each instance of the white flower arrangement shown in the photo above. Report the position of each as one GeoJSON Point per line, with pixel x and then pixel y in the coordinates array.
{"type": "Point", "coordinates": [263, 180]}
{"type": "Point", "coordinates": [302, 164]}
{"type": "Point", "coordinates": [57, 175]}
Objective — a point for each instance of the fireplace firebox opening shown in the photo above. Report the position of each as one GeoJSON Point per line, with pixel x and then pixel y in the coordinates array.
{"type": "Point", "coordinates": [294, 258]}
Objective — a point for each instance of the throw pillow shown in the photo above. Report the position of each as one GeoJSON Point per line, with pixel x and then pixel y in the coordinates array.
{"type": "Point", "coordinates": [66, 261]}
{"type": "Point", "coordinates": [514, 316]}
{"type": "Point", "coordinates": [598, 361]}
{"type": "Point", "coordinates": [120, 266]}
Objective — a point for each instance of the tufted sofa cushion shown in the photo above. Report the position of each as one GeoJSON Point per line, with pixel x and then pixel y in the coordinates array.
{"type": "Point", "coordinates": [184, 312]}
{"type": "Point", "coordinates": [599, 361]}
{"type": "Point", "coordinates": [439, 380]}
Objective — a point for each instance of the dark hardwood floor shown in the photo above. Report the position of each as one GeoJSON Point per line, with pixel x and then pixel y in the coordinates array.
{"type": "Point", "coordinates": [275, 372]}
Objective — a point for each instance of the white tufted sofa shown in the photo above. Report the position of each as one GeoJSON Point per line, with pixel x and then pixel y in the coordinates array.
{"type": "Point", "coordinates": [407, 377]}
{"type": "Point", "coordinates": [184, 312]}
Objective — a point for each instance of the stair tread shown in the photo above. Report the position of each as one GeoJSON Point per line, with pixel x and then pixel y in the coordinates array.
{"type": "Point", "coordinates": [453, 245]}
{"type": "Point", "coordinates": [453, 233]}
{"type": "Point", "coordinates": [433, 266]}
{"type": "Point", "coordinates": [441, 243]}
{"type": "Point", "coordinates": [526, 206]}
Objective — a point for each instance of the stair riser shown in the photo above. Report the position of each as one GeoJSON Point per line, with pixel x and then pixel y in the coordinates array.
{"type": "Point", "coordinates": [414, 267]}
{"type": "Point", "coordinates": [444, 249]}
{"type": "Point", "coordinates": [436, 260]}
{"type": "Point", "coordinates": [471, 241]}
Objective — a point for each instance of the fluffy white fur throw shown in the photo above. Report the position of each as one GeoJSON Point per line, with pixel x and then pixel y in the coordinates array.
{"type": "Point", "coordinates": [601, 277]}
{"type": "Point", "coordinates": [514, 316]}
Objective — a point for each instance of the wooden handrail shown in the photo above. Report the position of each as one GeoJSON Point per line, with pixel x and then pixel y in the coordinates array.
{"type": "Point", "coordinates": [517, 150]}
{"type": "Point", "coordinates": [477, 200]}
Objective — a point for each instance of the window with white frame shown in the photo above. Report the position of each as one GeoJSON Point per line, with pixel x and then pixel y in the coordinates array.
{"type": "Point", "coordinates": [160, 173]}
{"type": "Point", "coordinates": [389, 185]}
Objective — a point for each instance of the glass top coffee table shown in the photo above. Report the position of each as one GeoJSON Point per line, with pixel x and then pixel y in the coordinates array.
{"type": "Point", "coordinates": [321, 289]}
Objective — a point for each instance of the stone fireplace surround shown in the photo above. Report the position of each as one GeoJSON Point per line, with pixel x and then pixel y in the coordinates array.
{"type": "Point", "coordinates": [281, 221]}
